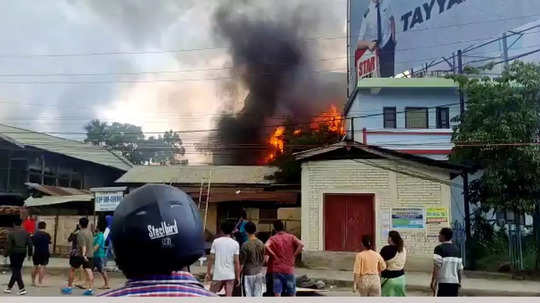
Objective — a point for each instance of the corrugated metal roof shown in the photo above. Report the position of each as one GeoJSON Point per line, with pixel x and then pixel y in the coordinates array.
{"type": "Point", "coordinates": [407, 83]}
{"type": "Point", "coordinates": [56, 190]}
{"type": "Point", "coordinates": [71, 148]}
{"type": "Point", "coordinates": [378, 152]}
{"type": "Point", "coordinates": [185, 174]}
{"type": "Point", "coordinates": [51, 200]}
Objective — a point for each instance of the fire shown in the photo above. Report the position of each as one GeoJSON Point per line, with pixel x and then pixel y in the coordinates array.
{"type": "Point", "coordinates": [332, 118]}
{"type": "Point", "coordinates": [277, 143]}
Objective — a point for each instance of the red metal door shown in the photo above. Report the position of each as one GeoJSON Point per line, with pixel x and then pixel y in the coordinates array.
{"type": "Point", "coordinates": [334, 225]}
{"type": "Point", "coordinates": [347, 219]}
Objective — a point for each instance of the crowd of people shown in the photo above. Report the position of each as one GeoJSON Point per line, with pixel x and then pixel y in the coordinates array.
{"type": "Point", "coordinates": [161, 225]}
{"type": "Point", "coordinates": [88, 252]}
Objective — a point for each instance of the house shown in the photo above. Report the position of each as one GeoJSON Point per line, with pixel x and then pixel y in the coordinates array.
{"type": "Point", "coordinates": [350, 190]}
{"type": "Point", "coordinates": [29, 156]}
{"type": "Point", "coordinates": [228, 190]}
{"type": "Point", "coordinates": [52, 176]}
{"type": "Point", "coordinates": [411, 115]}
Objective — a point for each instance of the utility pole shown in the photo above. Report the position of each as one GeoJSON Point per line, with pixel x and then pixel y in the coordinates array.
{"type": "Point", "coordinates": [465, 175]}
{"type": "Point", "coordinates": [505, 50]}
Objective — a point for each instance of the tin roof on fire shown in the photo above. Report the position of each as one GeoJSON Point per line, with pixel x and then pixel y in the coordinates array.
{"type": "Point", "coordinates": [195, 174]}
{"type": "Point", "coordinates": [71, 148]}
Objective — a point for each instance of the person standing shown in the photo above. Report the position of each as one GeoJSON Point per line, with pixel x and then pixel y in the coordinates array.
{"type": "Point", "coordinates": [252, 262]}
{"type": "Point", "coordinates": [240, 229]}
{"type": "Point", "coordinates": [283, 248]}
{"type": "Point", "coordinates": [41, 241]}
{"type": "Point", "coordinates": [109, 254]}
{"type": "Point", "coordinates": [368, 265]}
{"type": "Point", "coordinates": [83, 258]}
{"type": "Point", "coordinates": [395, 256]}
{"type": "Point", "coordinates": [99, 256]}
{"type": "Point", "coordinates": [79, 273]}
{"type": "Point", "coordinates": [29, 224]}
{"type": "Point", "coordinates": [447, 267]}
{"type": "Point", "coordinates": [378, 31]}
{"type": "Point", "coordinates": [18, 244]}
{"type": "Point", "coordinates": [224, 257]}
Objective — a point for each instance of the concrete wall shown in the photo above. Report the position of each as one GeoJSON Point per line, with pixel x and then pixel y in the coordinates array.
{"type": "Point", "coordinates": [394, 185]}
{"type": "Point", "coordinates": [367, 108]}
{"type": "Point", "coordinates": [289, 215]}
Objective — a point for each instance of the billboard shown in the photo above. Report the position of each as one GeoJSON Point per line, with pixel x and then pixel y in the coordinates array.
{"type": "Point", "coordinates": [389, 37]}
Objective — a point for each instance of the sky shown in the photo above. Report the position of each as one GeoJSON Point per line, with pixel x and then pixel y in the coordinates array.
{"type": "Point", "coordinates": [157, 64]}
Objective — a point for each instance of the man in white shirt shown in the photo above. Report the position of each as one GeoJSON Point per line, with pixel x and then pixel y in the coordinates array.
{"type": "Point", "coordinates": [378, 31]}
{"type": "Point", "coordinates": [224, 257]}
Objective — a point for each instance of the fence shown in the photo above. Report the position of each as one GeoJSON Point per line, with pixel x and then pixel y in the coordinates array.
{"type": "Point", "coordinates": [460, 238]}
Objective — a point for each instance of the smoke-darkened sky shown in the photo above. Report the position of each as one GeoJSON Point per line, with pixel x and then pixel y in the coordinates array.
{"type": "Point", "coordinates": [158, 64]}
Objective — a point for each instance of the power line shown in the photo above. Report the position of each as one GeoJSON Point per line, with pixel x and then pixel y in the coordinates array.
{"type": "Point", "coordinates": [263, 126]}
{"type": "Point", "coordinates": [150, 52]}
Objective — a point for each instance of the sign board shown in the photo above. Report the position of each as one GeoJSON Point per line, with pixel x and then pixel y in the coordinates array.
{"type": "Point", "coordinates": [436, 215]}
{"type": "Point", "coordinates": [412, 33]}
{"type": "Point", "coordinates": [108, 201]}
{"type": "Point", "coordinates": [408, 218]}
{"type": "Point", "coordinates": [367, 64]}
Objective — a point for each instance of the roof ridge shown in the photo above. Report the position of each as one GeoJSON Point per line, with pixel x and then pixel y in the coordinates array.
{"type": "Point", "coordinates": [81, 143]}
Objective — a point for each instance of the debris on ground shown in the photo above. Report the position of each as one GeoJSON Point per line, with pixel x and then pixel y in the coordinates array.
{"type": "Point", "coordinates": [305, 282]}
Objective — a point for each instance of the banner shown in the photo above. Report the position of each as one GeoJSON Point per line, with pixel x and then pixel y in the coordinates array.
{"type": "Point", "coordinates": [107, 201]}
{"type": "Point", "coordinates": [407, 34]}
{"type": "Point", "coordinates": [408, 218]}
{"type": "Point", "coordinates": [436, 215]}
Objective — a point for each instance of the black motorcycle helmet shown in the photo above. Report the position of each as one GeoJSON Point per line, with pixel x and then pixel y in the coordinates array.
{"type": "Point", "coordinates": [156, 230]}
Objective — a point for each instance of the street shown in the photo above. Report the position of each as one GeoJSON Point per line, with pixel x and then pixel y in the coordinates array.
{"type": "Point", "coordinates": [57, 280]}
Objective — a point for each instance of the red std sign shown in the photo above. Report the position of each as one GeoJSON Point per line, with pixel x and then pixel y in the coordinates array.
{"type": "Point", "coordinates": [367, 64]}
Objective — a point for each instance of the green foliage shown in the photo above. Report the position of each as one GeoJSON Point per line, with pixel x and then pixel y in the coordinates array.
{"type": "Point", "coordinates": [502, 119]}
{"type": "Point", "coordinates": [131, 142]}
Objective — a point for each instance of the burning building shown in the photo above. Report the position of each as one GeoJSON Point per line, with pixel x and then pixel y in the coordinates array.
{"type": "Point", "coordinates": [272, 62]}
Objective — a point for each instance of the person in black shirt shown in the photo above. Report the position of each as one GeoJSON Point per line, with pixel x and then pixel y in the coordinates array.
{"type": "Point", "coordinates": [447, 266]}
{"type": "Point", "coordinates": [41, 241]}
{"type": "Point", "coordinates": [395, 256]}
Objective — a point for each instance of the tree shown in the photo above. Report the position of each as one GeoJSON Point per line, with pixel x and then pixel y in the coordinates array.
{"type": "Point", "coordinates": [499, 133]}
{"type": "Point", "coordinates": [129, 139]}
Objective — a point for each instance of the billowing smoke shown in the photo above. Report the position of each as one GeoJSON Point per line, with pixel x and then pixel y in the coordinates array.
{"type": "Point", "coordinates": [272, 61]}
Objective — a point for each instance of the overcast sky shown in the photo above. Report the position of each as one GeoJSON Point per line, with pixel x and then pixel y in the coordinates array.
{"type": "Point", "coordinates": [65, 62]}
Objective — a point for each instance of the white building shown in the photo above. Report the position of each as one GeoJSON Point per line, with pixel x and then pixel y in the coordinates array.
{"type": "Point", "coordinates": [411, 115]}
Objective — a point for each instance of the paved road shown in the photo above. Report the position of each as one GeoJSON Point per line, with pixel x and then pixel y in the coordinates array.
{"type": "Point", "coordinates": [54, 283]}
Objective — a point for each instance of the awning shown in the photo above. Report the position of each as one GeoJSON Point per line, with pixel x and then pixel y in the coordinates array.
{"type": "Point", "coordinates": [52, 200]}
{"type": "Point", "coordinates": [56, 190]}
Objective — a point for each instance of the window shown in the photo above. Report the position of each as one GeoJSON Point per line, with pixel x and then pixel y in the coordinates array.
{"type": "Point", "coordinates": [443, 117]}
{"type": "Point", "coordinates": [267, 215]}
{"type": "Point", "coordinates": [389, 117]}
{"type": "Point", "coordinates": [416, 117]}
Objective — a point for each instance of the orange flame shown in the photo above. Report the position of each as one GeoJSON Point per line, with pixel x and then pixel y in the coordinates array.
{"type": "Point", "coordinates": [332, 118]}
{"type": "Point", "coordinates": [277, 143]}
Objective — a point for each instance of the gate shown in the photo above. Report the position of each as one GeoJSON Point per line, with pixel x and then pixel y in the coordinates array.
{"type": "Point", "coordinates": [515, 248]}
{"type": "Point", "coordinates": [460, 238]}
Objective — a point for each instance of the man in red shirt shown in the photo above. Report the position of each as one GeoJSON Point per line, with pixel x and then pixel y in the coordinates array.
{"type": "Point", "coordinates": [29, 224]}
{"type": "Point", "coordinates": [283, 249]}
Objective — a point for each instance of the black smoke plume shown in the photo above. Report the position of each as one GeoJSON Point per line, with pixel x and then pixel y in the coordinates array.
{"type": "Point", "coordinates": [272, 62]}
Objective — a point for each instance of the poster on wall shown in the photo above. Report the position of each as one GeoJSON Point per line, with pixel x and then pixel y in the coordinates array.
{"type": "Point", "coordinates": [389, 37]}
{"type": "Point", "coordinates": [436, 215]}
{"type": "Point", "coordinates": [386, 222]}
{"type": "Point", "coordinates": [408, 218]}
